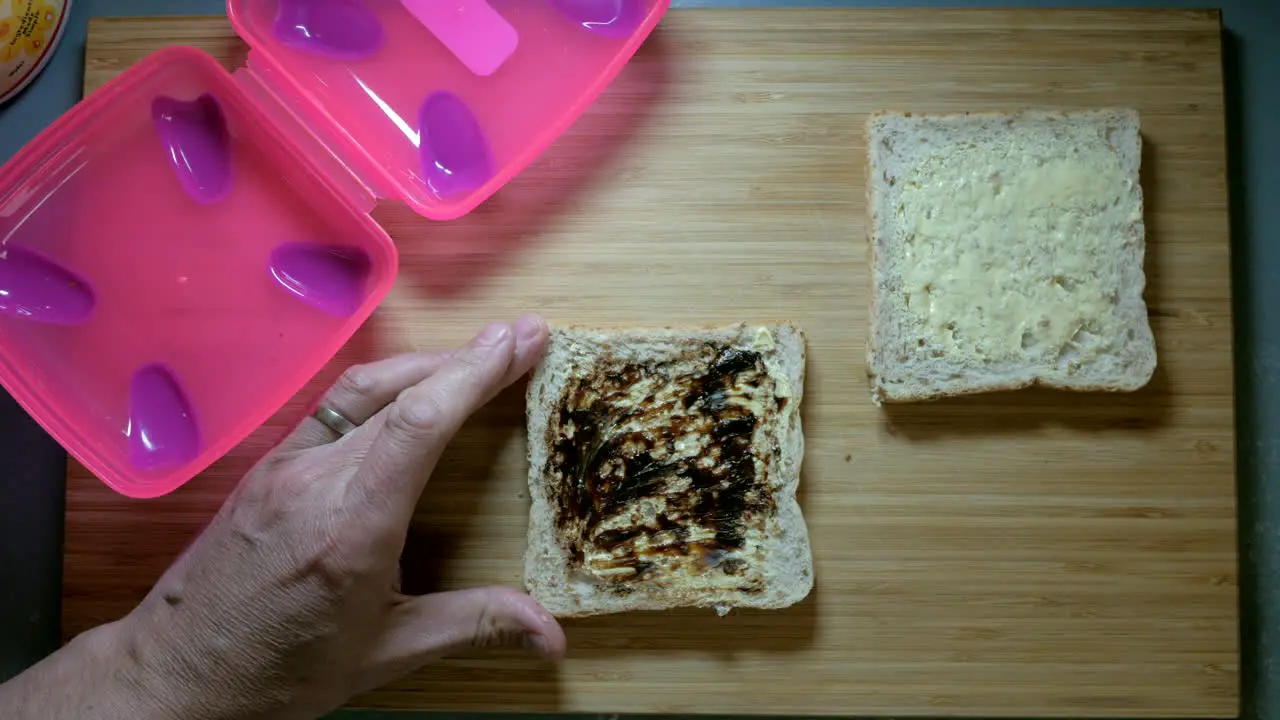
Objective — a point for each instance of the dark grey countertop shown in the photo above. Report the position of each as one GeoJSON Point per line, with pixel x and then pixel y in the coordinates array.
{"type": "Point", "coordinates": [32, 466]}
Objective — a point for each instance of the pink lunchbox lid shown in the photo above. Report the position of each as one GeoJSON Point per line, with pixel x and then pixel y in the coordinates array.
{"type": "Point", "coordinates": [525, 80]}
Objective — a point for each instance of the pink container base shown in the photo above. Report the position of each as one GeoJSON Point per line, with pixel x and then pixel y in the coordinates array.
{"type": "Point", "coordinates": [186, 286]}
{"type": "Point", "coordinates": [185, 249]}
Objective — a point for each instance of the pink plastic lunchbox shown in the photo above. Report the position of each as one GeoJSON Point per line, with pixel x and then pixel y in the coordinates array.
{"type": "Point", "coordinates": [186, 247]}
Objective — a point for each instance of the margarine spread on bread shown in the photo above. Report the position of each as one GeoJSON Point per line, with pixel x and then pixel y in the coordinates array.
{"type": "Point", "coordinates": [1004, 240]}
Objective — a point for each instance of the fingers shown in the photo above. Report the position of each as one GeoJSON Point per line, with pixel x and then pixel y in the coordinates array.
{"type": "Point", "coordinates": [430, 627]}
{"type": "Point", "coordinates": [362, 391]}
{"type": "Point", "coordinates": [407, 438]}
{"type": "Point", "coordinates": [531, 340]}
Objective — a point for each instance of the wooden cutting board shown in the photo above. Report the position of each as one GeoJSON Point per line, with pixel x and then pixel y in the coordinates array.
{"type": "Point", "coordinates": [1033, 553]}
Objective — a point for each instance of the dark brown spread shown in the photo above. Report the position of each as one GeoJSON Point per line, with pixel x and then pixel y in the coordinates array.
{"type": "Point", "coordinates": [656, 469]}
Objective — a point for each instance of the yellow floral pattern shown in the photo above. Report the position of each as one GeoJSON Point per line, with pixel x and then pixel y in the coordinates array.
{"type": "Point", "coordinates": [34, 43]}
{"type": "Point", "coordinates": [9, 37]}
{"type": "Point", "coordinates": [27, 27]}
{"type": "Point", "coordinates": [42, 18]}
{"type": "Point", "coordinates": [9, 29]}
{"type": "Point", "coordinates": [46, 16]}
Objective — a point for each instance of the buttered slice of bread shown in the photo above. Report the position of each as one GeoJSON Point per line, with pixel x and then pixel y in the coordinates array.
{"type": "Point", "coordinates": [1007, 251]}
{"type": "Point", "coordinates": [663, 467]}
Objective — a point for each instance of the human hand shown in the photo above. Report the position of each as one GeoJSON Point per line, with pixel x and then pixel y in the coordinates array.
{"type": "Point", "coordinates": [288, 603]}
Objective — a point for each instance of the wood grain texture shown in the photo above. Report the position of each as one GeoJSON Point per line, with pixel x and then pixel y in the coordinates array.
{"type": "Point", "coordinates": [1034, 553]}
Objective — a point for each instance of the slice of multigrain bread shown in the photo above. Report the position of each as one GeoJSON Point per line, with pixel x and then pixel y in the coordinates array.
{"type": "Point", "coordinates": [663, 467]}
{"type": "Point", "coordinates": [1007, 251]}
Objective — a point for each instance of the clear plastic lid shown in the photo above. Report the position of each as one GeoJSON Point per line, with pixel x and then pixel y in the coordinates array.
{"type": "Point", "coordinates": [439, 102]}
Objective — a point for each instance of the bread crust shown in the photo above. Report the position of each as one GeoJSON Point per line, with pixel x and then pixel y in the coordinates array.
{"type": "Point", "coordinates": [877, 365]}
{"type": "Point", "coordinates": [555, 579]}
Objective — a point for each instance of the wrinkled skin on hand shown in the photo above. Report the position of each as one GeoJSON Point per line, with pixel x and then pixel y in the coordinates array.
{"type": "Point", "coordinates": [288, 604]}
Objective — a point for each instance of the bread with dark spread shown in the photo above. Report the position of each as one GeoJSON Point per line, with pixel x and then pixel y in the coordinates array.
{"type": "Point", "coordinates": [663, 470]}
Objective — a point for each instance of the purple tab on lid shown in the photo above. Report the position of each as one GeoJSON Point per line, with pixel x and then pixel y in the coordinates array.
{"type": "Point", "coordinates": [162, 427]}
{"type": "Point", "coordinates": [340, 29]}
{"type": "Point", "coordinates": [33, 287]}
{"type": "Point", "coordinates": [330, 278]}
{"type": "Point", "coordinates": [611, 18]}
{"type": "Point", "coordinates": [198, 143]}
{"type": "Point", "coordinates": [455, 152]}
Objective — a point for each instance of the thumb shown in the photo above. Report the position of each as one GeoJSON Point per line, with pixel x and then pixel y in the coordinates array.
{"type": "Point", "coordinates": [429, 627]}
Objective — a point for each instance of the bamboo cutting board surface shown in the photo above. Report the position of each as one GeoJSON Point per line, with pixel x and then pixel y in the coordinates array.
{"type": "Point", "coordinates": [1033, 553]}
